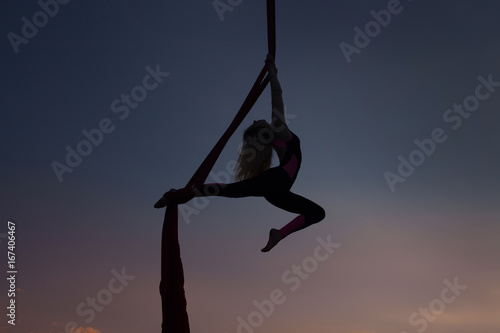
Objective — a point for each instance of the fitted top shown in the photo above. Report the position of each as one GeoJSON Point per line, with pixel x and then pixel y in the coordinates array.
{"type": "Point", "coordinates": [290, 162]}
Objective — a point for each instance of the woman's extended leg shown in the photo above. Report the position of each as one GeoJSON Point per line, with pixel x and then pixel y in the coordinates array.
{"type": "Point", "coordinates": [309, 211]}
{"type": "Point", "coordinates": [258, 186]}
{"type": "Point", "coordinates": [253, 187]}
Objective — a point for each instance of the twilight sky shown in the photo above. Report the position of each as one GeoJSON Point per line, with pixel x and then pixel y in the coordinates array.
{"type": "Point", "coordinates": [108, 104]}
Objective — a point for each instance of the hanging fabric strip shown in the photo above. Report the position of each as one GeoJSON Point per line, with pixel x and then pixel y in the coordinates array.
{"type": "Point", "coordinates": [175, 317]}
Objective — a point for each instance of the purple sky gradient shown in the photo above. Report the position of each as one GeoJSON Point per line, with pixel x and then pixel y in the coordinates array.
{"type": "Point", "coordinates": [396, 248]}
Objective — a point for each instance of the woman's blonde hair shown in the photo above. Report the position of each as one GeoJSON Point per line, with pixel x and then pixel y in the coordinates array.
{"type": "Point", "coordinates": [256, 153]}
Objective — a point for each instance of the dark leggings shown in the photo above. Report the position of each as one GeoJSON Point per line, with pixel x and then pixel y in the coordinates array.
{"type": "Point", "coordinates": [274, 185]}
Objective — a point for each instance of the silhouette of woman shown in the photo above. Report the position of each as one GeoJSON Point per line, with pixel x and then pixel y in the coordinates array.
{"type": "Point", "coordinates": [254, 174]}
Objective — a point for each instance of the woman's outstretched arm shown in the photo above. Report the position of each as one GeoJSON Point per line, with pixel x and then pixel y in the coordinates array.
{"type": "Point", "coordinates": [278, 121]}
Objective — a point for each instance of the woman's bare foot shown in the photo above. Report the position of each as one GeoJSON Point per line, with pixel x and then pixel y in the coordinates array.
{"type": "Point", "coordinates": [163, 202]}
{"type": "Point", "coordinates": [274, 238]}
{"type": "Point", "coordinates": [176, 197]}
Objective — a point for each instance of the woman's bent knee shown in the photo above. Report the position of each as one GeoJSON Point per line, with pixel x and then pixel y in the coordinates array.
{"type": "Point", "coordinates": [319, 215]}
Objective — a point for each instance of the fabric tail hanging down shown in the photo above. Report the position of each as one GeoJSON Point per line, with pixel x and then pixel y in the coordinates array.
{"type": "Point", "coordinates": [175, 317]}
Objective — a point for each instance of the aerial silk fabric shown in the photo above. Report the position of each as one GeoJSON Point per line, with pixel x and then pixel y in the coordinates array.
{"type": "Point", "coordinates": [174, 305]}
